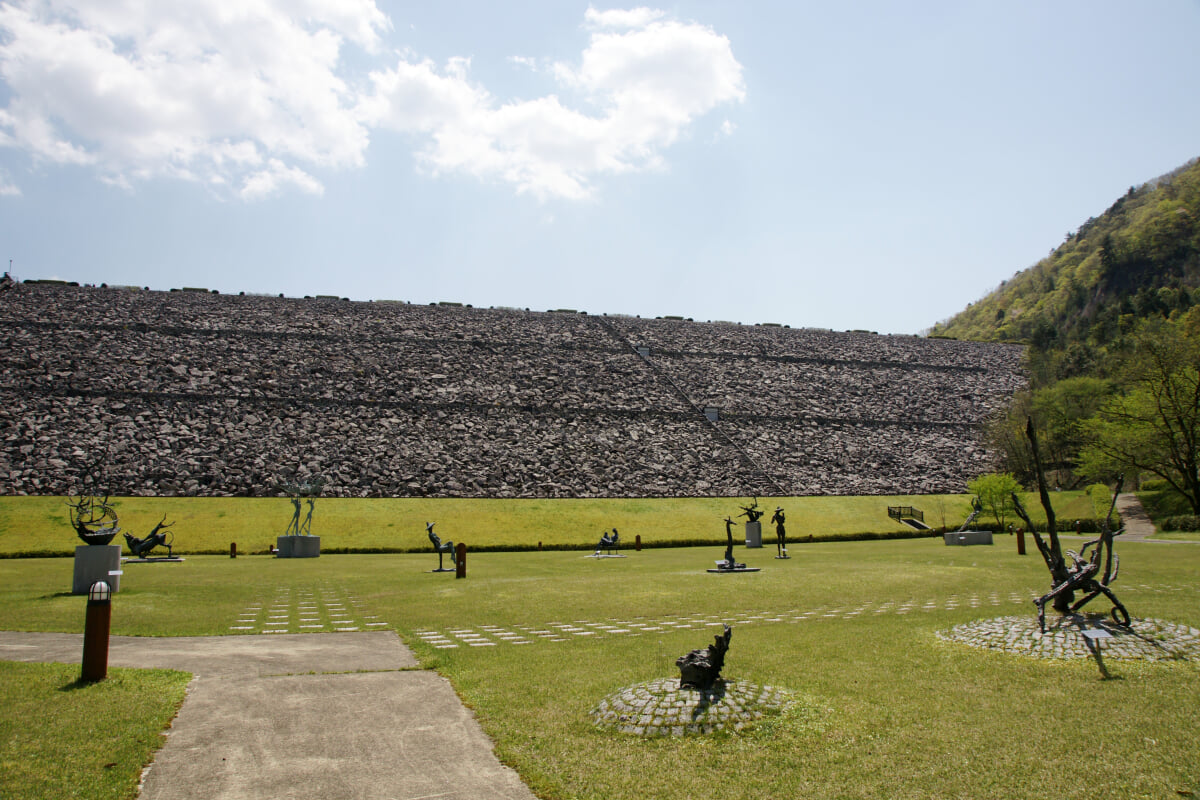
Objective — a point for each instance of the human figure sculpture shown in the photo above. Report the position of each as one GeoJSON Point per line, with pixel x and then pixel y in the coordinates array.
{"type": "Point", "coordinates": [293, 528]}
{"type": "Point", "coordinates": [156, 538]}
{"type": "Point", "coordinates": [608, 542]}
{"type": "Point", "coordinates": [780, 533]}
{"type": "Point", "coordinates": [700, 669]}
{"type": "Point", "coordinates": [438, 545]}
{"type": "Point", "coordinates": [306, 528]}
{"type": "Point", "coordinates": [751, 512]}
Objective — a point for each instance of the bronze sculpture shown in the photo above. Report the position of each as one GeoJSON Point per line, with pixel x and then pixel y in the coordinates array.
{"type": "Point", "coordinates": [751, 512]}
{"type": "Point", "coordinates": [94, 519]}
{"type": "Point", "coordinates": [439, 546]}
{"type": "Point", "coordinates": [701, 669]}
{"type": "Point", "coordinates": [608, 542]}
{"type": "Point", "coordinates": [156, 538]}
{"type": "Point", "coordinates": [780, 533]}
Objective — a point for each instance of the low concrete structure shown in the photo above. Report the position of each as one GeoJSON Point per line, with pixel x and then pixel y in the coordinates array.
{"type": "Point", "coordinates": [297, 546]}
{"type": "Point", "coordinates": [967, 537]}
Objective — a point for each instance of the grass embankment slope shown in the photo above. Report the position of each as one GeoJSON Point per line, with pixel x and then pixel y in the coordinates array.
{"type": "Point", "coordinates": [884, 708]}
{"type": "Point", "coordinates": [41, 526]}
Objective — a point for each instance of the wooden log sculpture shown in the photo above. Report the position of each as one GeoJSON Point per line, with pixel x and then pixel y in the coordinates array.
{"type": "Point", "coordinates": [700, 669]}
{"type": "Point", "coordinates": [438, 545]}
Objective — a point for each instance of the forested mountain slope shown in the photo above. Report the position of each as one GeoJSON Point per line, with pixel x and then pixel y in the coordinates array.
{"type": "Point", "coordinates": [1077, 306]}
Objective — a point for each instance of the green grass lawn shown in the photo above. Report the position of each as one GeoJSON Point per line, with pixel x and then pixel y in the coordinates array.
{"type": "Point", "coordinates": [40, 525]}
{"type": "Point", "coordinates": [884, 708]}
{"type": "Point", "coordinates": [61, 739]}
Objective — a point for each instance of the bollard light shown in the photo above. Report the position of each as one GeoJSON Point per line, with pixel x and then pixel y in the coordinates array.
{"type": "Point", "coordinates": [95, 633]}
{"type": "Point", "coordinates": [99, 593]}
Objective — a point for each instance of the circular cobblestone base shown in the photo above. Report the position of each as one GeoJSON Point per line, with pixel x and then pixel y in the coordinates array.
{"type": "Point", "coordinates": [661, 708]}
{"type": "Point", "coordinates": [1143, 640]}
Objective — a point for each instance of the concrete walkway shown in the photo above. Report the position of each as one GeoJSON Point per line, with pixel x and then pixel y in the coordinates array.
{"type": "Point", "coordinates": [335, 715]}
{"type": "Point", "coordinates": [1135, 519]}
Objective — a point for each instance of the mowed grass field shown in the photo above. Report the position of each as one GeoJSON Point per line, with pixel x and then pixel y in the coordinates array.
{"type": "Point", "coordinates": [41, 525]}
{"type": "Point", "coordinates": [883, 707]}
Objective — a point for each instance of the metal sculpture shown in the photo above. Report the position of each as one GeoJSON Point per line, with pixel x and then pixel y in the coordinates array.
{"type": "Point", "coordinates": [157, 538]}
{"type": "Point", "coordinates": [780, 532]}
{"type": "Point", "coordinates": [751, 512]}
{"type": "Point", "coordinates": [439, 546]}
{"type": "Point", "coordinates": [608, 542]}
{"type": "Point", "coordinates": [700, 669]}
{"type": "Point", "coordinates": [729, 562]}
{"type": "Point", "coordinates": [1089, 575]}
{"type": "Point", "coordinates": [309, 489]}
{"type": "Point", "coordinates": [1081, 575]}
{"type": "Point", "coordinates": [94, 519]}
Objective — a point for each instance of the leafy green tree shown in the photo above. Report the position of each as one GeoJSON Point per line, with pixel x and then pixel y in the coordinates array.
{"type": "Point", "coordinates": [995, 491]}
{"type": "Point", "coordinates": [1153, 424]}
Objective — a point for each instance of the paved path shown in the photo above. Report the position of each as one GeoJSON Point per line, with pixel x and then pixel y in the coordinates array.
{"type": "Point", "coordinates": [1135, 519]}
{"type": "Point", "coordinates": [337, 715]}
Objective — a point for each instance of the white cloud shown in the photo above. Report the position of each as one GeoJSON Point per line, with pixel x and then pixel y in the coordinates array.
{"type": "Point", "coordinates": [195, 90]}
{"type": "Point", "coordinates": [619, 18]}
{"type": "Point", "coordinates": [648, 82]}
{"type": "Point", "coordinates": [275, 178]}
{"type": "Point", "coordinates": [252, 98]}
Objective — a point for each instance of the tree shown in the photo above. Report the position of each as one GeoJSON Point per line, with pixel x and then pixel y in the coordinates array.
{"type": "Point", "coordinates": [995, 491]}
{"type": "Point", "coordinates": [1153, 425]}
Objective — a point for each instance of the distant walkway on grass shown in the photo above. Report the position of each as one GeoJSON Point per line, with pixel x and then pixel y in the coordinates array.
{"type": "Point", "coordinates": [302, 716]}
{"type": "Point", "coordinates": [1135, 519]}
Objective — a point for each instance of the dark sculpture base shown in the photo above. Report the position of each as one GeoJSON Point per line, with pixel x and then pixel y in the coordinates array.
{"type": "Point", "coordinates": [443, 569]}
{"type": "Point", "coordinates": [153, 560]}
{"type": "Point", "coordinates": [723, 569]}
{"type": "Point", "coordinates": [294, 546]}
{"type": "Point", "coordinates": [607, 555]}
{"type": "Point", "coordinates": [785, 555]}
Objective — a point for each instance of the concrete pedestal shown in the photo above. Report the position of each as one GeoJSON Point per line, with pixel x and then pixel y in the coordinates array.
{"type": "Point", "coordinates": [298, 547]}
{"type": "Point", "coordinates": [967, 537]}
{"type": "Point", "coordinates": [93, 562]}
{"type": "Point", "coordinates": [753, 534]}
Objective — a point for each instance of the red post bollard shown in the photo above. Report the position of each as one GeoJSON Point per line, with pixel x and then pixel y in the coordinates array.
{"type": "Point", "coordinates": [460, 561]}
{"type": "Point", "coordinates": [637, 543]}
{"type": "Point", "coordinates": [233, 549]}
{"type": "Point", "coordinates": [95, 633]}
{"type": "Point", "coordinates": [1020, 541]}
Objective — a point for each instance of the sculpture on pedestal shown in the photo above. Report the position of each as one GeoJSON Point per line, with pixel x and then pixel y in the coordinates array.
{"type": "Point", "coordinates": [94, 520]}
{"type": "Point", "coordinates": [751, 512]}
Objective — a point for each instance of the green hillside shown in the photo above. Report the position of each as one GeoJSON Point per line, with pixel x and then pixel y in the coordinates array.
{"type": "Point", "coordinates": [1139, 259]}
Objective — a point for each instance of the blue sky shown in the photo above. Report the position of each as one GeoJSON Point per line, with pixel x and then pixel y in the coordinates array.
{"type": "Point", "coordinates": [872, 165]}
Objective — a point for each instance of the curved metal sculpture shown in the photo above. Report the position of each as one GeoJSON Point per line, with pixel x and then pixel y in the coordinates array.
{"type": "Point", "coordinates": [94, 520]}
